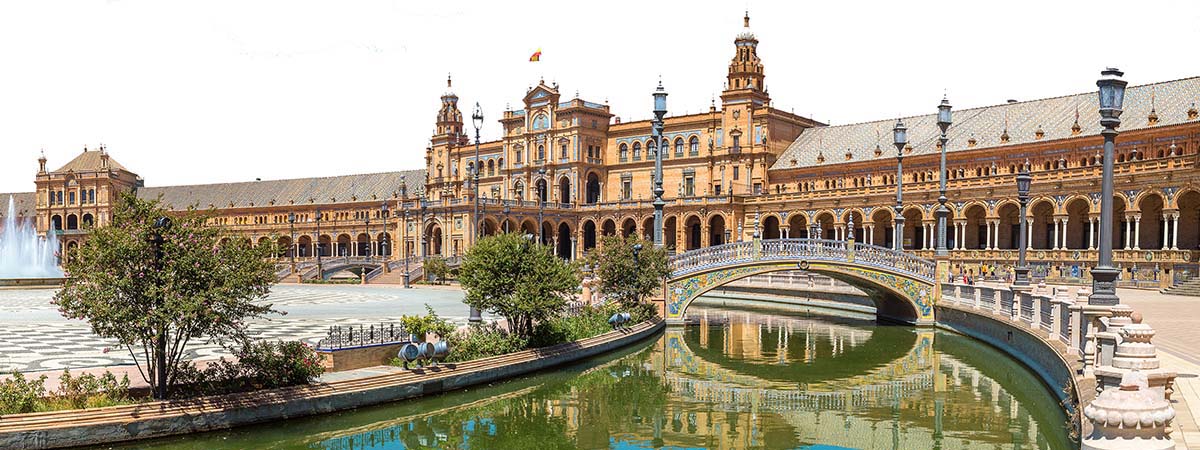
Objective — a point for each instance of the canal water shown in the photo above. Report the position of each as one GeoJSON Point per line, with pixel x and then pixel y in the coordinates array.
{"type": "Point", "coordinates": [734, 380]}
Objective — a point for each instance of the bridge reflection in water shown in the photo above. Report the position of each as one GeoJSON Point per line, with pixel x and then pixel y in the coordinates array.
{"type": "Point", "coordinates": [745, 380]}
{"type": "Point", "coordinates": [736, 380]}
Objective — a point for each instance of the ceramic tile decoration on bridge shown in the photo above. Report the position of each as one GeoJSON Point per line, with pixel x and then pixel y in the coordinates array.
{"type": "Point", "coordinates": [901, 285]}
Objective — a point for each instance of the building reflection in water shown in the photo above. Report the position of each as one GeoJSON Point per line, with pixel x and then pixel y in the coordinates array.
{"type": "Point", "coordinates": [746, 380]}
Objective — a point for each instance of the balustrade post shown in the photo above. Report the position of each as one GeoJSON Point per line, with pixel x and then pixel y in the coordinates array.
{"type": "Point", "coordinates": [1036, 317]}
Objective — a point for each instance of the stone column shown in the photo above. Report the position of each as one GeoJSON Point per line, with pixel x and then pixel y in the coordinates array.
{"type": "Point", "coordinates": [1175, 232]}
{"type": "Point", "coordinates": [1066, 226]}
{"type": "Point", "coordinates": [1137, 232]}
{"type": "Point", "coordinates": [988, 245]}
{"type": "Point", "coordinates": [1029, 234]}
{"type": "Point", "coordinates": [1091, 233]}
{"type": "Point", "coordinates": [1057, 222]}
{"type": "Point", "coordinates": [1128, 232]}
{"type": "Point", "coordinates": [1165, 224]}
{"type": "Point", "coordinates": [871, 234]}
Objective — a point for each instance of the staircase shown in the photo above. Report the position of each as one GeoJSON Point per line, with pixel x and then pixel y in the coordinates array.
{"type": "Point", "coordinates": [1190, 288]}
{"type": "Point", "coordinates": [396, 273]}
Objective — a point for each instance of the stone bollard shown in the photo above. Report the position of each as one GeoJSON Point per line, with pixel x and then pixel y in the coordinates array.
{"type": "Point", "coordinates": [1135, 352]}
{"type": "Point", "coordinates": [1129, 417]}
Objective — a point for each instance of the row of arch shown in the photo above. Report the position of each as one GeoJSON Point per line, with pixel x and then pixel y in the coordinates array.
{"type": "Point", "coordinates": [693, 147]}
{"type": "Point", "coordinates": [377, 244]}
{"type": "Point", "coordinates": [72, 222]}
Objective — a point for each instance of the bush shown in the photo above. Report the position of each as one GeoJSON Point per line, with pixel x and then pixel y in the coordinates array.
{"type": "Point", "coordinates": [90, 391]}
{"type": "Point", "coordinates": [430, 323]}
{"type": "Point", "coordinates": [22, 395]}
{"type": "Point", "coordinates": [19, 395]}
{"type": "Point", "coordinates": [590, 321]}
{"type": "Point", "coordinates": [259, 365]}
{"type": "Point", "coordinates": [482, 342]}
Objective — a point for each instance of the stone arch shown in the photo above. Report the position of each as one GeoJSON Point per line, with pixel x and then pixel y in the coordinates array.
{"type": "Point", "coordinates": [489, 227]}
{"type": "Point", "coordinates": [1187, 203]}
{"type": "Point", "coordinates": [1151, 222]}
{"type": "Point", "coordinates": [670, 229]}
{"type": "Point", "coordinates": [885, 235]}
{"type": "Point", "coordinates": [72, 222]}
{"type": "Point", "coordinates": [1007, 232]}
{"type": "Point", "coordinates": [860, 220]}
{"type": "Point", "coordinates": [529, 227]}
{"type": "Point", "coordinates": [547, 233]}
{"type": "Point", "coordinates": [593, 188]}
{"type": "Point", "coordinates": [975, 227]}
{"type": "Point", "coordinates": [1042, 217]}
{"type": "Point", "coordinates": [628, 227]}
{"type": "Point", "coordinates": [716, 229]}
{"type": "Point", "coordinates": [304, 246]}
{"type": "Point", "coordinates": [88, 221]}
{"type": "Point", "coordinates": [1079, 225]}
{"type": "Point", "coordinates": [285, 248]}
{"type": "Point", "coordinates": [824, 223]}
{"type": "Point", "coordinates": [797, 225]}
{"type": "Point", "coordinates": [564, 190]}
{"type": "Point", "coordinates": [383, 244]}
{"type": "Point", "coordinates": [608, 227]}
{"type": "Point", "coordinates": [692, 229]}
{"type": "Point", "coordinates": [770, 227]}
{"type": "Point", "coordinates": [648, 228]}
{"type": "Point", "coordinates": [914, 228]}
{"type": "Point", "coordinates": [325, 245]}
{"type": "Point", "coordinates": [362, 245]}
{"type": "Point", "coordinates": [56, 222]}
{"type": "Point", "coordinates": [563, 242]}
{"type": "Point", "coordinates": [589, 234]}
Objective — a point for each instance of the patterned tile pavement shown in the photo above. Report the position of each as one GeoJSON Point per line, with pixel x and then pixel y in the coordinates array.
{"type": "Point", "coordinates": [33, 337]}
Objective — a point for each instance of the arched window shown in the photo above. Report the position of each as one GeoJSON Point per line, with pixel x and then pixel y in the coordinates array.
{"type": "Point", "coordinates": [637, 151]}
{"type": "Point", "coordinates": [624, 152]}
{"type": "Point", "coordinates": [540, 122]}
{"type": "Point", "coordinates": [471, 168]}
{"type": "Point", "coordinates": [678, 146]}
{"type": "Point", "coordinates": [491, 167]}
{"type": "Point", "coordinates": [517, 153]}
{"type": "Point", "coordinates": [694, 146]}
{"type": "Point", "coordinates": [650, 149]}
{"type": "Point", "coordinates": [541, 153]}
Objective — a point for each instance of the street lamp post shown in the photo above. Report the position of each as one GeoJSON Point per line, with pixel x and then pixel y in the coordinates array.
{"type": "Point", "coordinates": [660, 110]}
{"type": "Point", "coordinates": [943, 123]}
{"type": "Point", "coordinates": [541, 193]}
{"type": "Point", "coordinates": [407, 255]}
{"type": "Point", "coordinates": [292, 243]}
{"type": "Point", "coordinates": [384, 255]}
{"type": "Point", "coordinates": [477, 120]}
{"type": "Point", "coordinates": [367, 230]}
{"type": "Point", "coordinates": [507, 209]}
{"type": "Point", "coordinates": [1104, 275]}
{"type": "Point", "coordinates": [900, 140]}
{"type": "Point", "coordinates": [1021, 273]}
{"type": "Point", "coordinates": [320, 271]}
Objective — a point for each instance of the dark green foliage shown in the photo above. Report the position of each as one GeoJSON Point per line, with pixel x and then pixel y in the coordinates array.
{"type": "Point", "coordinates": [258, 365]}
{"type": "Point", "coordinates": [202, 287]}
{"type": "Point", "coordinates": [482, 342]}
{"type": "Point", "coordinates": [438, 268]}
{"type": "Point", "coordinates": [430, 323]}
{"type": "Point", "coordinates": [22, 395]}
{"type": "Point", "coordinates": [624, 278]}
{"type": "Point", "coordinates": [520, 280]}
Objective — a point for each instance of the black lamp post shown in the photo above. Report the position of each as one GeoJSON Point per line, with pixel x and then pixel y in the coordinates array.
{"type": "Point", "coordinates": [637, 250]}
{"type": "Point", "coordinates": [320, 271]}
{"type": "Point", "coordinates": [656, 129]}
{"type": "Point", "coordinates": [1021, 276]}
{"type": "Point", "coordinates": [477, 120]}
{"type": "Point", "coordinates": [943, 123]}
{"type": "Point", "coordinates": [407, 255]}
{"type": "Point", "coordinates": [160, 363]}
{"type": "Point", "coordinates": [541, 193]}
{"type": "Point", "coordinates": [1104, 275]}
{"type": "Point", "coordinates": [292, 250]}
{"type": "Point", "coordinates": [383, 244]}
{"type": "Point", "coordinates": [507, 209]}
{"type": "Point", "coordinates": [900, 140]}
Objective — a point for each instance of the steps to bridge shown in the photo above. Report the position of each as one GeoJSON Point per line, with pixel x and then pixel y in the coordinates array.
{"type": "Point", "coordinates": [1190, 288]}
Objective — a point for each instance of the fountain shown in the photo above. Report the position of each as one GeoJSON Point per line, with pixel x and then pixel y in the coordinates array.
{"type": "Point", "coordinates": [25, 258]}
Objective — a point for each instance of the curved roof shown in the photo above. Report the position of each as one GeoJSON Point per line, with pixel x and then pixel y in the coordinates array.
{"type": "Point", "coordinates": [298, 191]}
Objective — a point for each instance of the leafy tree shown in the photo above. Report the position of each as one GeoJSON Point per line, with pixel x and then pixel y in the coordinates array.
{"type": "Point", "coordinates": [518, 279]}
{"type": "Point", "coordinates": [155, 302]}
{"type": "Point", "coordinates": [625, 278]}
{"type": "Point", "coordinates": [438, 268]}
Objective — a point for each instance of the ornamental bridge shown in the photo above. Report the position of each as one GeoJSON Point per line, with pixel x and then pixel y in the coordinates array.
{"type": "Point", "coordinates": [901, 285]}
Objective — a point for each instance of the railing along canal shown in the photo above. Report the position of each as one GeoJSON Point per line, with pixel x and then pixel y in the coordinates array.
{"type": "Point", "coordinates": [1049, 315]}
{"type": "Point", "coordinates": [801, 249]}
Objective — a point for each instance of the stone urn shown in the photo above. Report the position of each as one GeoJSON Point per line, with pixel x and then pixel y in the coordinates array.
{"type": "Point", "coordinates": [1131, 416]}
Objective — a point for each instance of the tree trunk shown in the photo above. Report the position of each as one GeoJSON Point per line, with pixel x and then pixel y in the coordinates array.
{"type": "Point", "coordinates": [160, 366]}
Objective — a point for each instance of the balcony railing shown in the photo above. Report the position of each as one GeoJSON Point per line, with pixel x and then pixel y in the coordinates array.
{"type": "Point", "coordinates": [800, 249]}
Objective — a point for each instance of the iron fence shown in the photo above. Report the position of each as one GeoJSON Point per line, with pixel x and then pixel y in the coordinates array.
{"type": "Point", "coordinates": [362, 335]}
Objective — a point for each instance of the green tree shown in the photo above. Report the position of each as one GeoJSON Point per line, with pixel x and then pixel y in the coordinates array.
{"type": "Point", "coordinates": [522, 281]}
{"type": "Point", "coordinates": [624, 278]}
{"type": "Point", "coordinates": [155, 299]}
{"type": "Point", "coordinates": [438, 268]}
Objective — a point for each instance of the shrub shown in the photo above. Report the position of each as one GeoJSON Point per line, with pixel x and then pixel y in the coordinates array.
{"type": "Point", "coordinates": [591, 321]}
{"type": "Point", "coordinates": [430, 323]}
{"type": "Point", "coordinates": [259, 365]}
{"type": "Point", "coordinates": [482, 342]}
{"type": "Point", "coordinates": [90, 391]}
{"type": "Point", "coordinates": [20, 395]}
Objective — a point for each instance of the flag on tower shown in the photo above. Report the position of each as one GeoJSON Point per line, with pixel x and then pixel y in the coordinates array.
{"type": "Point", "coordinates": [537, 56]}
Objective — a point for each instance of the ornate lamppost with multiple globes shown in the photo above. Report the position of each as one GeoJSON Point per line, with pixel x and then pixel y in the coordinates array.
{"type": "Point", "coordinates": [900, 140]}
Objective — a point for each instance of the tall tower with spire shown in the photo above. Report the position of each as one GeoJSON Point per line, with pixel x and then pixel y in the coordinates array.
{"type": "Point", "coordinates": [449, 118]}
{"type": "Point", "coordinates": [745, 80]}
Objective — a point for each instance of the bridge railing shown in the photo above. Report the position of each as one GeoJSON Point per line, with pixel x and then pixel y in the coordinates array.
{"type": "Point", "coordinates": [1049, 315]}
{"type": "Point", "coordinates": [803, 249]}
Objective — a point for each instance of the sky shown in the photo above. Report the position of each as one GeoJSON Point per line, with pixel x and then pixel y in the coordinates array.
{"type": "Point", "coordinates": [218, 91]}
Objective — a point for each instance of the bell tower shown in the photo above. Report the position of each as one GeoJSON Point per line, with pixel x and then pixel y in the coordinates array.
{"type": "Point", "coordinates": [449, 118]}
{"type": "Point", "coordinates": [745, 78]}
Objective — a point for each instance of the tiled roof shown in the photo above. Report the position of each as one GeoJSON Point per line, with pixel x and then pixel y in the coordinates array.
{"type": "Point", "coordinates": [24, 203]}
{"type": "Point", "coordinates": [1054, 116]}
{"type": "Point", "coordinates": [89, 160]}
{"type": "Point", "coordinates": [323, 190]}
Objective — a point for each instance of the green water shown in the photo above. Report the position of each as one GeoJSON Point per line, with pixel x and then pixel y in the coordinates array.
{"type": "Point", "coordinates": [739, 380]}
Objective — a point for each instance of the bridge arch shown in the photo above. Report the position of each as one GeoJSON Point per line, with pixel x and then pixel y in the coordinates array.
{"type": "Point", "coordinates": [902, 286]}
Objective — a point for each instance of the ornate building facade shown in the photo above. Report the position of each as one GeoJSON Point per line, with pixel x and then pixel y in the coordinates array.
{"type": "Point", "coordinates": [569, 171]}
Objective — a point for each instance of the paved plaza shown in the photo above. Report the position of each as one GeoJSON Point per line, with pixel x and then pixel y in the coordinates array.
{"type": "Point", "coordinates": [34, 337]}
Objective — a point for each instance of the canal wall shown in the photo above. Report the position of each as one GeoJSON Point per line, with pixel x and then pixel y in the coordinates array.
{"type": "Point", "coordinates": [782, 300]}
{"type": "Point", "coordinates": [351, 389]}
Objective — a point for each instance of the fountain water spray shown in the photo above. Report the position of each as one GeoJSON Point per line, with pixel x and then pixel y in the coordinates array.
{"type": "Point", "coordinates": [22, 253]}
